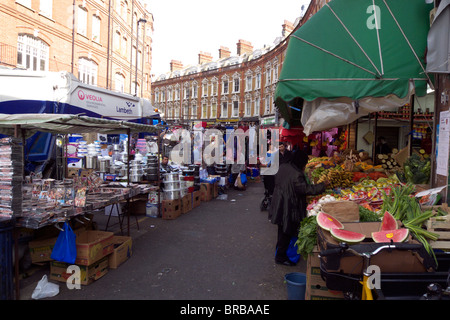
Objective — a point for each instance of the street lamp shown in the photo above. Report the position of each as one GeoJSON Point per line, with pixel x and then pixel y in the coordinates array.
{"type": "Point", "coordinates": [137, 51]}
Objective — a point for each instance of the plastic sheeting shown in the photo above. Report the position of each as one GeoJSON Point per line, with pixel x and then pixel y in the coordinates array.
{"type": "Point", "coordinates": [322, 114]}
{"type": "Point", "coordinates": [438, 56]}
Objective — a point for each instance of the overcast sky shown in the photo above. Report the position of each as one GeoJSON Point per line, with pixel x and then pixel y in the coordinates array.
{"type": "Point", "coordinates": [183, 28]}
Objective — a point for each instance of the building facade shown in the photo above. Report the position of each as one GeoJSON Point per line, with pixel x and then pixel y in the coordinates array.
{"type": "Point", "coordinates": [234, 89]}
{"type": "Point", "coordinates": [96, 40]}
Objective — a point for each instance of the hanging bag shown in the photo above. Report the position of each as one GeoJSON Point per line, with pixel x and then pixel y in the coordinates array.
{"type": "Point", "coordinates": [65, 249]}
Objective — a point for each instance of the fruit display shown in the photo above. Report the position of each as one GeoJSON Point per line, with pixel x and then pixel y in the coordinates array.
{"type": "Point", "coordinates": [337, 177]}
{"type": "Point", "coordinates": [328, 222]}
{"type": "Point", "coordinates": [397, 235]}
{"type": "Point", "coordinates": [348, 236]}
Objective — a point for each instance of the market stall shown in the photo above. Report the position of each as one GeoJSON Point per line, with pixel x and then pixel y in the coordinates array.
{"type": "Point", "coordinates": [35, 202]}
{"type": "Point", "coordinates": [367, 206]}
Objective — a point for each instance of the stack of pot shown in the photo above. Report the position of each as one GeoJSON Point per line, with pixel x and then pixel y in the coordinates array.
{"type": "Point", "coordinates": [151, 171]}
{"type": "Point", "coordinates": [136, 171]}
{"type": "Point", "coordinates": [196, 170]}
{"type": "Point", "coordinates": [172, 186]}
{"type": "Point", "coordinates": [221, 169]}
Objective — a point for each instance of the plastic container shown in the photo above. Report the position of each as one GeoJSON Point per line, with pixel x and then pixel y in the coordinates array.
{"type": "Point", "coordinates": [296, 285]}
{"type": "Point", "coordinates": [6, 259]}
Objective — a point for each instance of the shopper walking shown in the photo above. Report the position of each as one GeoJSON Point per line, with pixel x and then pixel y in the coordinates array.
{"type": "Point", "coordinates": [288, 207]}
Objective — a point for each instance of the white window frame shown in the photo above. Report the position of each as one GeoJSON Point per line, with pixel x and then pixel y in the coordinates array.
{"type": "Point", "coordinates": [225, 85]}
{"type": "Point", "coordinates": [258, 81]}
{"type": "Point", "coordinates": [87, 71]}
{"type": "Point", "coordinates": [256, 106]}
{"type": "Point", "coordinates": [25, 3]}
{"type": "Point", "coordinates": [34, 53]}
{"type": "Point", "coordinates": [213, 110]}
{"type": "Point", "coordinates": [204, 111]}
{"type": "Point", "coordinates": [46, 8]}
{"type": "Point", "coordinates": [235, 110]}
{"type": "Point", "coordinates": [236, 85]}
{"type": "Point", "coordinates": [224, 111]}
{"type": "Point", "coordinates": [248, 83]}
{"type": "Point", "coordinates": [248, 107]}
{"type": "Point", "coordinates": [96, 27]}
{"type": "Point", "coordinates": [82, 17]}
{"type": "Point", "coordinates": [119, 83]}
{"type": "Point", "coordinates": [267, 105]}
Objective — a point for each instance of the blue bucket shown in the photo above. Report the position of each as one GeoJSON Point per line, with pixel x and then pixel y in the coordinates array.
{"type": "Point", "coordinates": [296, 285]}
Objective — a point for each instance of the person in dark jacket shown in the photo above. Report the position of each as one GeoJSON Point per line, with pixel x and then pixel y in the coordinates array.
{"type": "Point", "coordinates": [289, 204]}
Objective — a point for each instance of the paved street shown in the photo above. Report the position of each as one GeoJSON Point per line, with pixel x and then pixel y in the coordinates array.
{"type": "Point", "coordinates": [221, 250]}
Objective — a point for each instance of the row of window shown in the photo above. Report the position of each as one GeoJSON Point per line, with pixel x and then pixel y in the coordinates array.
{"type": "Point", "coordinates": [211, 89]}
{"type": "Point", "coordinates": [209, 111]}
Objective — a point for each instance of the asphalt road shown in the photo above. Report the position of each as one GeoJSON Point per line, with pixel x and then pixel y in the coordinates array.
{"type": "Point", "coordinates": [221, 250]}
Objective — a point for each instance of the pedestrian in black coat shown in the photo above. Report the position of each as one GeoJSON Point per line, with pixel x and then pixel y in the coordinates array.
{"type": "Point", "coordinates": [288, 207]}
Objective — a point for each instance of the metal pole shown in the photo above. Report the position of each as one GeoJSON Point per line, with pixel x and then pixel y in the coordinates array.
{"type": "Point", "coordinates": [137, 51]}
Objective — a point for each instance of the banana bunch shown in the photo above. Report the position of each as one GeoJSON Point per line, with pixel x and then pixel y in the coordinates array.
{"type": "Point", "coordinates": [337, 177]}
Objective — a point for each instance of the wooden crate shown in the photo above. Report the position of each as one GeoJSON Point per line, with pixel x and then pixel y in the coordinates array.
{"type": "Point", "coordinates": [441, 226]}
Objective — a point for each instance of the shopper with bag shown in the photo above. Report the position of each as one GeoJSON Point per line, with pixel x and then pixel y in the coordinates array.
{"type": "Point", "coordinates": [288, 207]}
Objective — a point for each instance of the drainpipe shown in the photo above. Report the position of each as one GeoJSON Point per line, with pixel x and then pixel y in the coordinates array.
{"type": "Point", "coordinates": [73, 36]}
{"type": "Point", "coordinates": [108, 46]}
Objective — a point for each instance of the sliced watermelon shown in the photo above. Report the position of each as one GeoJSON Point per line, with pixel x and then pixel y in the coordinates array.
{"type": "Point", "coordinates": [388, 222]}
{"type": "Point", "coordinates": [397, 235]}
{"type": "Point", "coordinates": [347, 236]}
{"type": "Point", "coordinates": [327, 222]}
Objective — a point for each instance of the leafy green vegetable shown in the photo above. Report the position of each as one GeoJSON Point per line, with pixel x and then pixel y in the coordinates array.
{"type": "Point", "coordinates": [417, 170]}
{"type": "Point", "coordinates": [307, 236]}
{"type": "Point", "coordinates": [366, 215]}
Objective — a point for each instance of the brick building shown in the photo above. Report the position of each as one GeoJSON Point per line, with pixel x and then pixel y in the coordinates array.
{"type": "Point", "coordinates": [93, 39]}
{"type": "Point", "coordinates": [235, 88]}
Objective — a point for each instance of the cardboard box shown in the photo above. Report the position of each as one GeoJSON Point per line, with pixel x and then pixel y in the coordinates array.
{"type": "Point", "coordinates": [171, 209]}
{"type": "Point", "coordinates": [344, 211]}
{"type": "Point", "coordinates": [41, 248]}
{"type": "Point", "coordinates": [207, 191]}
{"type": "Point", "coordinates": [88, 274]}
{"type": "Point", "coordinates": [196, 199]}
{"type": "Point", "coordinates": [92, 246]}
{"type": "Point", "coordinates": [122, 251]}
{"type": "Point", "coordinates": [316, 288]}
{"type": "Point", "coordinates": [186, 204]}
{"type": "Point", "coordinates": [388, 261]}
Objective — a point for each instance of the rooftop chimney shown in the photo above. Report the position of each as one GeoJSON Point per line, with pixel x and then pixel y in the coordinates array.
{"type": "Point", "coordinates": [175, 65]}
{"type": "Point", "coordinates": [244, 47]}
{"type": "Point", "coordinates": [288, 27]}
{"type": "Point", "coordinates": [224, 52]}
{"type": "Point", "coordinates": [204, 57]}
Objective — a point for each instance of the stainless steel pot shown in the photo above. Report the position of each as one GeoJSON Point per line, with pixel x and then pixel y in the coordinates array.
{"type": "Point", "coordinates": [135, 177]}
{"type": "Point", "coordinates": [91, 162]}
{"type": "Point", "coordinates": [172, 195]}
{"type": "Point", "coordinates": [104, 165]}
{"type": "Point", "coordinates": [173, 185]}
{"type": "Point", "coordinates": [172, 176]}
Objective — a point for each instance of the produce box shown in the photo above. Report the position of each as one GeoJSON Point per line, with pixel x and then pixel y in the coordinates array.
{"type": "Point", "coordinates": [122, 251]}
{"type": "Point", "coordinates": [215, 190]}
{"type": "Point", "coordinates": [344, 211]}
{"type": "Point", "coordinates": [316, 288]}
{"type": "Point", "coordinates": [388, 261]}
{"type": "Point", "coordinates": [186, 204]}
{"type": "Point", "coordinates": [92, 246]}
{"type": "Point", "coordinates": [58, 271]}
{"type": "Point", "coordinates": [441, 226]}
{"type": "Point", "coordinates": [196, 199]}
{"type": "Point", "coordinates": [171, 209]}
{"type": "Point", "coordinates": [207, 191]}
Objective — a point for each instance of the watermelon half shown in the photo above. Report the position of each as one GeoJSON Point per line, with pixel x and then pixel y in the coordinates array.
{"type": "Point", "coordinates": [388, 222]}
{"type": "Point", "coordinates": [397, 235]}
{"type": "Point", "coordinates": [328, 222]}
{"type": "Point", "coordinates": [347, 236]}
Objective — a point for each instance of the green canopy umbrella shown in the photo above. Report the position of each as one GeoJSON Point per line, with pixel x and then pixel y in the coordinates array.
{"type": "Point", "coordinates": [353, 50]}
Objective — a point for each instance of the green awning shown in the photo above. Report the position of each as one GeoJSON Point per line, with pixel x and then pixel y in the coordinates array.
{"type": "Point", "coordinates": [356, 49]}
